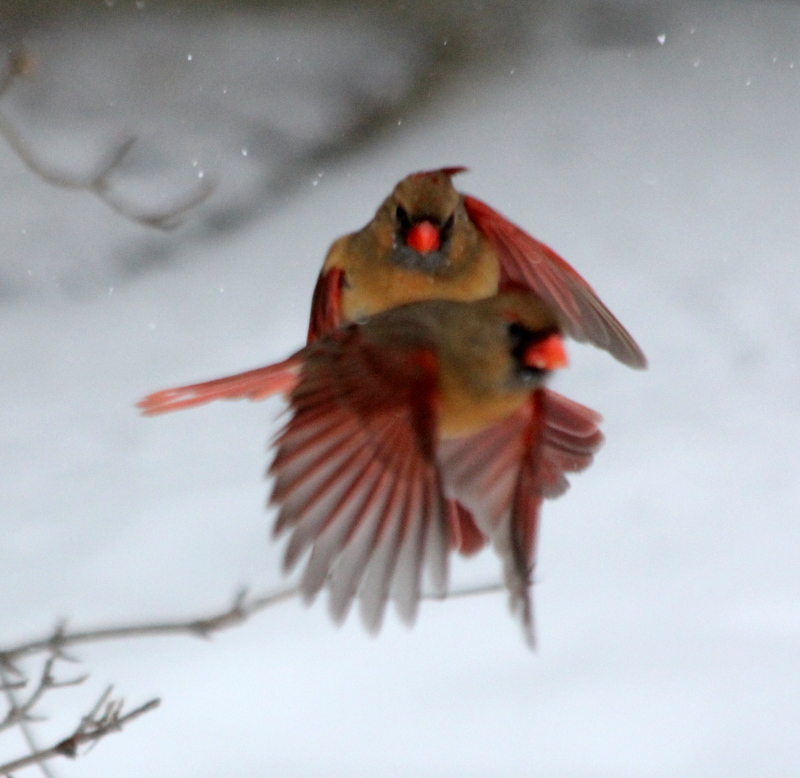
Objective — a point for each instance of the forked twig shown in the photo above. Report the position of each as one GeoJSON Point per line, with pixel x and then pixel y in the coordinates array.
{"type": "Point", "coordinates": [105, 717]}
{"type": "Point", "coordinates": [107, 714]}
{"type": "Point", "coordinates": [19, 714]}
{"type": "Point", "coordinates": [20, 63]}
{"type": "Point", "coordinates": [23, 711]}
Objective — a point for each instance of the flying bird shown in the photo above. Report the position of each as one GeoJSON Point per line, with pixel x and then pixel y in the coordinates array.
{"type": "Point", "coordinates": [396, 420]}
{"type": "Point", "coordinates": [429, 241]}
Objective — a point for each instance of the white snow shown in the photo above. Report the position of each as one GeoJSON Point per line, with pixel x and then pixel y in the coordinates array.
{"type": "Point", "coordinates": [668, 602]}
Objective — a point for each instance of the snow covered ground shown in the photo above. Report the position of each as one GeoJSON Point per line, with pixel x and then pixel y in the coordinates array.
{"type": "Point", "coordinates": [668, 603]}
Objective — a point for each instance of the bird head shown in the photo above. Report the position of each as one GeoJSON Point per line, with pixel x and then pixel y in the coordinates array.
{"type": "Point", "coordinates": [533, 335]}
{"type": "Point", "coordinates": [425, 208]}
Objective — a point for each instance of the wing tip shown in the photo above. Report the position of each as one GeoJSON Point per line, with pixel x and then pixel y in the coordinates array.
{"type": "Point", "coordinates": [521, 605]}
{"type": "Point", "coordinates": [372, 614]}
{"type": "Point", "coordinates": [632, 356]}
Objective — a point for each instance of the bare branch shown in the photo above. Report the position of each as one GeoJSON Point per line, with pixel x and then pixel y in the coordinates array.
{"type": "Point", "coordinates": [104, 718]}
{"type": "Point", "coordinates": [240, 611]}
{"type": "Point", "coordinates": [167, 219]}
{"type": "Point", "coordinates": [470, 591]}
{"type": "Point", "coordinates": [23, 724]}
{"type": "Point", "coordinates": [22, 711]}
{"type": "Point", "coordinates": [98, 183]}
{"type": "Point", "coordinates": [107, 714]}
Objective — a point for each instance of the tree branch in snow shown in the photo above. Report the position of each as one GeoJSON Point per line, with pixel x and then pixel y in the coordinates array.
{"type": "Point", "coordinates": [23, 711]}
{"type": "Point", "coordinates": [240, 610]}
{"type": "Point", "coordinates": [20, 63]}
{"type": "Point", "coordinates": [13, 716]}
{"type": "Point", "coordinates": [107, 714]}
{"type": "Point", "coordinates": [105, 717]}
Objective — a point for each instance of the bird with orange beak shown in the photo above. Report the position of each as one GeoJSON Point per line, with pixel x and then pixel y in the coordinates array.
{"type": "Point", "coordinates": [395, 418]}
{"type": "Point", "coordinates": [428, 241]}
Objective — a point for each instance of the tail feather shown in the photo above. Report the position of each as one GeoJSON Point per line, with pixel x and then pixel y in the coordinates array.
{"type": "Point", "coordinates": [252, 385]}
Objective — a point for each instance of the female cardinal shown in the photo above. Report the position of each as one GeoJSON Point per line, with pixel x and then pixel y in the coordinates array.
{"type": "Point", "coordinates": [393, 420]}
{"type": "Point", "coordinates": [428, 241]}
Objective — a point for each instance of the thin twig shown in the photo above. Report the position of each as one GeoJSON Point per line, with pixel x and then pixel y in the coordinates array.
{"type": "Point", "coordinates": [242, 608]}
{"type": "Point", "coordinates": [104, 718]}
{"type": "Point", "coordinates": [24, 726]}
{"type": "Point", "coordinates": [471, 591]}
{"type": "Point", "coordinates": [98, 183]}
{"type": "Point", "coordinates": [22, 711]}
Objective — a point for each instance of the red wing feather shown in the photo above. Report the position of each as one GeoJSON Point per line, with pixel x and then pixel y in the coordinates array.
{"type": "Point", "coordinates": [570, 439]}
{"type": "Point", "coordinates": [355, 477]}
{"type": "Point", "coordinates": [326, 303]}
{"type": "Point", "coordinates": [467, 539]}
{"type": "Point", "coordinates": [526, 262]}
{"type": "Point", "coordinates": [252, 385]}
{"type": "Point", "coordinates": [503, 473]}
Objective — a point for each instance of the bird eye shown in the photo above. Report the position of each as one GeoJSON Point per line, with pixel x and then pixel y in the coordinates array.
{"type": "Point", "coordinates": [517, 333]}
{"type": "Point", "coordinates": [520, 339]}
{"type": "Point", "coordinates": [447, 227]}
{"type": "Point", "coordinates": [402, 218]}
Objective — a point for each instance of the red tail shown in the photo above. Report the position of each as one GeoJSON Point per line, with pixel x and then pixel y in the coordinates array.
{"type": "Point", "coordinates": [252, 385]}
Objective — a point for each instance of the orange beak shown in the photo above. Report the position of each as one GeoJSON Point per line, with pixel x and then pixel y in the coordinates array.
{"type": "Point", "coordinates": [423, 237]}
{"type": "Point", "coordinates": [546, 354]}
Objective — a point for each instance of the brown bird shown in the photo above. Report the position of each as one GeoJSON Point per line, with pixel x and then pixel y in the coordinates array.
{"type": "Point", "coordinates": [394, 419]}
{"type": "Point", "coordinates": [429, 241]}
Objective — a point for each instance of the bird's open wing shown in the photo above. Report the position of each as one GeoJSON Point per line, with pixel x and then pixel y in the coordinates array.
{"type": "Point", "coordinates": [502, 474]}
{"type": "Point", "coordinates": [356, 477]}
{"type": "Point", "coordinates": [326, 303]}
{"type": "Point", "coordinates": [526, 262]}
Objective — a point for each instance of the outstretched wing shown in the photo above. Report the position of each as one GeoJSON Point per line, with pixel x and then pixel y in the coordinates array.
{"type": "Point", "coordinates": [356, 477]}
{"type": "Point", "coordinates": [503, 473]}
{"type": "Point", "coordinates": [526, 262]}
{"type": "Point", "coordinates": [326, 303]}
{"type": "Point", "coordinates": [252, 385]}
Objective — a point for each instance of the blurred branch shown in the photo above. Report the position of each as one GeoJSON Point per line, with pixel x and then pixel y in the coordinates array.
{"type": "Point", "coordinates": [105, 717]}
{"type": "Point", "coordinates": [22, 722]}
{"type": "Point", "coordinates": [470, 591]}
{"type": "Point", "coordinates": [19, 712]}
{"type": "Point", "coordinates": [20, 63]}
{"type": "Point", "coordinates": [240, 611]}
{"type": "Point", "coordinates": [107, 714]}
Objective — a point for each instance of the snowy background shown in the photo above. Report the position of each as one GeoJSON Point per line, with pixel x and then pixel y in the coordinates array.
{"type": "Point", "coordinates": [657, 150]}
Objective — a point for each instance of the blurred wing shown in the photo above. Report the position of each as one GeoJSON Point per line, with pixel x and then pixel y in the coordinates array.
{"type": "Point", "coordinates": [326, 303]}
{"type": "Point", "coordinates": [465, 536]}
{"type": "Point", "coordinates": [524, 261]}
{"type": "Point", "coordinates": [570, 438]}
{"type": "Point", "coordinates": [252, 385]}
{"type": "Point", "coordinates": [503, 473]}
{"type": "Point", "coordinates": [356, 479]}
